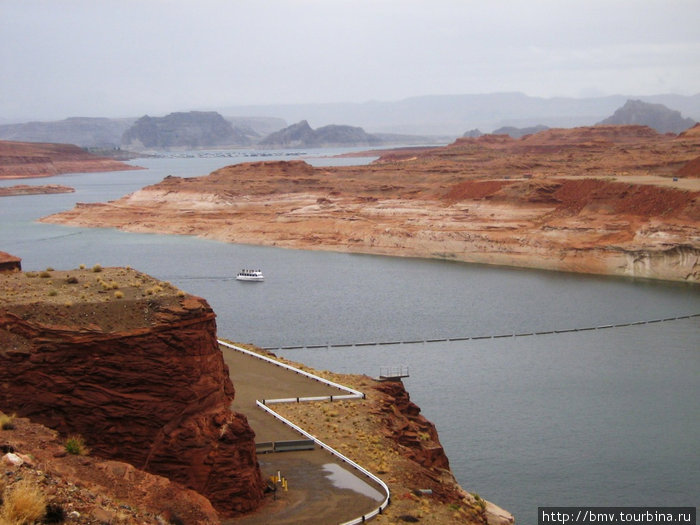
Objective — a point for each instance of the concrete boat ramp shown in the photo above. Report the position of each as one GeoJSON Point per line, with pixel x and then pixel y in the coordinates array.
{"type": "Point", "coordinates": [322, 487]}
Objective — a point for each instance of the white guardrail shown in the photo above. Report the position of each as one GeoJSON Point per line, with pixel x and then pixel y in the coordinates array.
{"type": "Point", "coordinates": [352, 394]}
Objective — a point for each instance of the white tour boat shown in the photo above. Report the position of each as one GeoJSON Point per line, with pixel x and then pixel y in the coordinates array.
{"type": "Point", "coordinates": [250, 275]}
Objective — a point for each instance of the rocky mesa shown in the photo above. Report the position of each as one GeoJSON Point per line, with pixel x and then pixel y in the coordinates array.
{"type": "Point", "coordinates": [617, 200]}
{"type": "Point", "coordinates": [301, 135]}
{"type": "Point", "coordinates": [133, 366]}
{"type": "Point", "coordinates": [35, 159]}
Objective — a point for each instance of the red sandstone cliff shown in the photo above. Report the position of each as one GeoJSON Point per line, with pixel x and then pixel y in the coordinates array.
{"type": "Point", "coordinates": [405, 425]}
{"type": "Point", "coordinates": [137, 372]}
{"type": "Point", "coordinates": [35, 159]}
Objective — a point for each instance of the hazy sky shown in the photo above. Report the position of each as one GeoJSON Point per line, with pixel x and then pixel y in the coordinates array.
{"type": "Point", "coordinates": [113, 58]}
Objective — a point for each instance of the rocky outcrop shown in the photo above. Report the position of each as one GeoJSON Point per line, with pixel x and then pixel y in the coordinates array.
{"type": "Point", "coordinates": [301, 135]}
{"type": "Point", "coordinates": [140, 377]}
{"type": "Point", "coordinates": [94, 490]}
{"type": "Point", "coordinates": [418, 440]}
{"type": "Point", "coordinates": [257, 127]}
{"type": "Point", "coordinates": [472, 133]}
{"type": "Point", "coordinates": [9, 263]}
{"type": "Point", "coordinates": [26, 189]}
{"type": "Point", "coordinates": [657, 116]}
{"type": "Point", "coordinates": [404, 423]}
{"type": "Point", "coordinates": [31, 159]}
{"type": "Point", "coordinates": [192, 130]}
{"type": "Point", "coordinates": [516, 133]}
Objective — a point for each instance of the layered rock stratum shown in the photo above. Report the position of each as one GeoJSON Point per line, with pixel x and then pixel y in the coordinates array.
{"type": "Point", "coordinates": [617, 200]}
{"type": "Point", "coordinates": [35, 159]}
{"type": "Point", "coordinates": [133, 366]}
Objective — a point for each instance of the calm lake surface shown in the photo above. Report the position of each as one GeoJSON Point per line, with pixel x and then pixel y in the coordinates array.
{"type": "Point", "coordinates": [606, 417]}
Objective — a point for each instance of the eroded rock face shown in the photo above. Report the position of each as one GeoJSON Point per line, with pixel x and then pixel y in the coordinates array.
{"type": "Point", "coordinates": [155, 394]}
{"type": "Point", "coordinates": [9, 263]}
{"type": "Point", "coordinates": [409, 428]}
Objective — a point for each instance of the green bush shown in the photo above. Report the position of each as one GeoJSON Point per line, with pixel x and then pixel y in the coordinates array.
{"type": "Point", "coordinates": [76, 445]}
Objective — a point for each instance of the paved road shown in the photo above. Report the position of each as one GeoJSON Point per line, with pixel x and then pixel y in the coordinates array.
{"type": "Point", "coordinates": [312, 497]}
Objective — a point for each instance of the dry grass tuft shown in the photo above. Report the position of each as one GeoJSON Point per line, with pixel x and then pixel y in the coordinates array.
{"type": "Point", "coordinates": [7, 422]}
{"type": "Point", "coordinates": [23, 503]}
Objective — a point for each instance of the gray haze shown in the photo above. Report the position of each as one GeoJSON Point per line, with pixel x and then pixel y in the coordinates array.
{"type": "Point", "coordinates": [123, 58]}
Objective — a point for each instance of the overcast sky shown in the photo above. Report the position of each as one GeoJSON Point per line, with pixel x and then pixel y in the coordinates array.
{"type": "Point", "coordinates": [61, 58]}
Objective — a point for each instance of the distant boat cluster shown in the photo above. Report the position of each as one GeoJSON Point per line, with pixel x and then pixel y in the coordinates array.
{"type": "Point", "coordinates": [226, 154]}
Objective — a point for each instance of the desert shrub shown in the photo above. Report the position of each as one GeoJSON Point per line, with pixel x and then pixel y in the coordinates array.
{"type": "Point", "coordinates": [71, 280]}
{"type": "Point", "coordinates": [53, 293]}
{"type": "Point", "coordinates": [97, 268]}
{"type": "Point", "coordinates": [119, 294]}
{"type": "Point", "coordinates": [54, 514]}
{"type": "Point", "coordinates": [7, 422]}
{"type": "Point", "coordinates": [76, 445]}
{"type": "Point", "coordinates": [31, 275]}
{"type": "Point", "coordinates": [49, 269]}
{"type": "Point", "coordinates": [82, 266]}
{"type": "Point", "coordinates": [45, 274]}
{"type": "Point", "coordinates": [23, 503]}
{"type": "Point", "coordinates": [180, 293]}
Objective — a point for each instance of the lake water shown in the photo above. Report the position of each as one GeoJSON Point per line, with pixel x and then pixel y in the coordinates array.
{"type": "Point", "coordinates": [599, 417]}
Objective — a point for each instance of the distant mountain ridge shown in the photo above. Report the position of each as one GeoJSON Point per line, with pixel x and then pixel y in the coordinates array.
{"type": "Point", "coordinates": [82, 131]}
{"type": "Point", "coordinates": [107, 133]}
{"type": "Point", "coordinates": [301, 135]}
{"type": "Point", "coordinates": [452, 114]}
{"type": "Point", "coordinates": [446, 116]}
{"type": "Point", "coordinates": [657, 116]}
